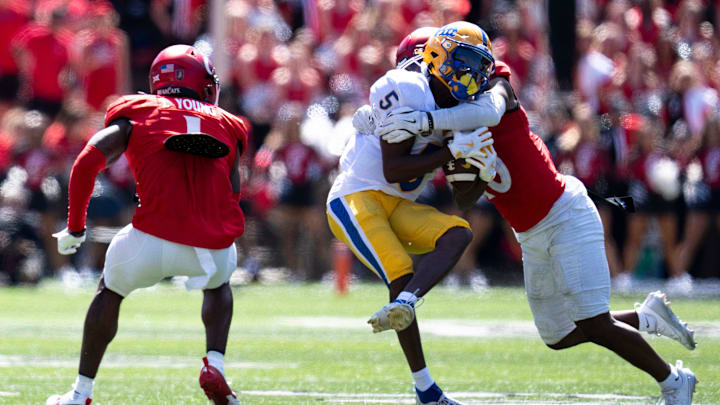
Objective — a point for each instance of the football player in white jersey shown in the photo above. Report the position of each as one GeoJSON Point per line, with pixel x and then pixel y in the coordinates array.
{"type": "Point", "coordinates": [371, 206]}
{"type": "Point", "coordinates": [566, 273]}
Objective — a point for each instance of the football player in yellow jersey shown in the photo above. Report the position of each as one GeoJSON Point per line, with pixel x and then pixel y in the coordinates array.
{"type": "Point", "coordinates": [371, 206]}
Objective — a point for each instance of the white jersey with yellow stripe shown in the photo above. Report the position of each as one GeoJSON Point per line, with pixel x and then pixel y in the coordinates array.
{"type": "Point", "coordinates": [361, 162]}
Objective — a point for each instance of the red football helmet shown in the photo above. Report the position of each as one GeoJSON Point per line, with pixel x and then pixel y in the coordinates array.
{"type": "Point", "coordinates": [406, 56]}
{"type": "Point", "coordinates": [181, 70]}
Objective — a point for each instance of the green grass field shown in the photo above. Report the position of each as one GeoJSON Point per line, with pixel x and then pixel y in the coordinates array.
{"type": "Point", "coordinates": [304, 344]}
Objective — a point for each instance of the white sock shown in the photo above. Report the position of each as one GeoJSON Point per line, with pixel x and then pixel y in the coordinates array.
{"type": "Point", "coordinates": [647, 323]}
{"type": "Point", "coordinates": [217, 360]}
{"type": "Point", "coordinates": [422, 378]}
{"type": "Point", "coordinates": [408, 297]}
{"type": "Point", "coordinates": [672, 381]}
{"type": "Point", "coordinates": [84, 385]}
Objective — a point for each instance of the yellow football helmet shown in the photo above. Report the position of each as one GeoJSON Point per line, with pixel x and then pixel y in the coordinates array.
{"type": "Point", "coordinates": [460, 55]}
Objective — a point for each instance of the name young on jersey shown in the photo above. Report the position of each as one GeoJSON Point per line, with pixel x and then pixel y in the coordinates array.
{"type": "Point", "coordinates": [190, 104]}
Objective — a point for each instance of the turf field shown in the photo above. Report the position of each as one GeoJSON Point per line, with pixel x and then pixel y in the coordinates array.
{"type": "Point", "coordinates": [304, 344]}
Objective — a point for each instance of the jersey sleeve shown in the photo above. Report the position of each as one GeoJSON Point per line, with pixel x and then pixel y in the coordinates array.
{"type": "Point", "coordinates": [398, 88]}
{"type": "Point", "coordinates": [502, 70]}
{"type": "Point", "coordinates": [240, 130]}
{"type": "Point", "coordinates": [126, 107]}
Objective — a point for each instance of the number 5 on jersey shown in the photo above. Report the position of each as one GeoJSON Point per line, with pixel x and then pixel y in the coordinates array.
{"type": "Point", "coordinates": [386, 102]}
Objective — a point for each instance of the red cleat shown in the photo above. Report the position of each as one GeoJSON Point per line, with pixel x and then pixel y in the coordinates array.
{"type": "Point", "coordinates": [215, 386]}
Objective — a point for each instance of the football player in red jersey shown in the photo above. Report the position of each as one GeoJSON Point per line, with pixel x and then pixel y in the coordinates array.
{"type": "Point", "coordinates": [183, 150]}
{"type": "Point", "coordinates": [566, 272]}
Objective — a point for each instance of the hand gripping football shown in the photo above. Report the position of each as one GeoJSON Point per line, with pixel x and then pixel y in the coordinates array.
{"type": "Point", "coordinates": [198, 144]}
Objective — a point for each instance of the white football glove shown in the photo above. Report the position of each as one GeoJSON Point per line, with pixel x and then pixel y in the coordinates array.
{"type": "Point", "coordinates": [467, 144]}
{"type": "Point", "coordinates": [67, 242]}
{"type": "Point", "coordinates": [403, 123]}
{"type": "Point", "coordinates": [485, 161]}
{"type": "Point", "coordinates": [363, 120]}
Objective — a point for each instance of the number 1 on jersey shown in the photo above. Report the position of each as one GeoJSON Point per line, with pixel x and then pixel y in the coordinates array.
{"type": "Point", "coordinates": [193, 124]}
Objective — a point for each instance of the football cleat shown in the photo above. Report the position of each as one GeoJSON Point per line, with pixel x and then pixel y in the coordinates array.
{"type": "Point", "coordinates": [70, 398]}
{"type": "Point", "coordinates": [667, 323]}
{"type": "Point", "coordinates": [396, 315]}
{"type": "Point", "coordinates": [433, 396]}
{"type": "Point", "coordinates": [684, 393]}
{"type": "Point", "coordinates": [215, 386]}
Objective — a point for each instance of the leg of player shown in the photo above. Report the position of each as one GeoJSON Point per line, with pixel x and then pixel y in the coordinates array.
{"type": "Point", "coordinates": [217, 312]}
{"type": "Point", "coordinates": [100, 327]}
{"type": "Point", "coordinates": [435, 265]}
{"type": "Point", "coordinates": [426, 390]}
{"type": "Point", "coordinates": [677, 383]}
{"type": "Point", "coordinates": [653, 316]}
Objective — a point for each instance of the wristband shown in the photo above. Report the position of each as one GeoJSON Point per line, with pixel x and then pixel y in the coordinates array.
{"type": "Point", "coordinates": [431, 123]}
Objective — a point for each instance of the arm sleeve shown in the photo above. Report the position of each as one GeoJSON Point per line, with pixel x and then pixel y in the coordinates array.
{"type": "Point", "coordinates": [486, 111]}
{"type": "Point", "coordinates": [82, 180]}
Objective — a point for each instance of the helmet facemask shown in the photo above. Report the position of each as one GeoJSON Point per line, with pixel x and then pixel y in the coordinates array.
{"type": "Point", "coordinates": [212, 91]}
{"type": "Point", "coordinates": [413, 64]}
{"type": "Point", "coordinates": [466, 70]}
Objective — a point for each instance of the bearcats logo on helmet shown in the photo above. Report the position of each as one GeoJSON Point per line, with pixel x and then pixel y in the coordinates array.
{"type": "Point", "coordinates": [183, 70]}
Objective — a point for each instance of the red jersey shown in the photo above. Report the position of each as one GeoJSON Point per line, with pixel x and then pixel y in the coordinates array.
{"type": "Point", "coordinates": [183, 198]}
{"type": "Point", "coordinates": [100, 56]}
{"type": "Point", "coordinates": [301, 162]}
{"type": "Point", "coordinates": [12, 20]}
{"type": "Point", "coordinates": [48, 54]}
{"type": "Point", "coordinates": [527, 184]}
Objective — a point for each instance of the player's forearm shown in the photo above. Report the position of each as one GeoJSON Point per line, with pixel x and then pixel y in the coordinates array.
{"type": "Point", "coordinates": [408, 167]}
{"type": "Point", "coordinates": [465, 200]}
{"type": "Point", "coordinates": [82, 180]}
{"type": "Point", "coordinates": [486, 111]}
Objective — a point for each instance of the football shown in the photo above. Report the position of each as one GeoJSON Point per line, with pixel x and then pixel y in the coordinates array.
{"type": "Point", "coordinates": [460, 174]}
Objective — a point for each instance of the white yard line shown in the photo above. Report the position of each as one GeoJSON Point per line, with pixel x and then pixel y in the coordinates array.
{"type": "Point", "coordinates": [9, 394]}
{"type": "Point", "coordinates": [468, 397]}
{"type": "Point", "coordinates": [460, 327]}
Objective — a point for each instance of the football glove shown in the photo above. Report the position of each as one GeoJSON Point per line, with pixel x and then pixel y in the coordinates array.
{"type": "Point", "coordinates": [67, 242]}
{"type": "Point", "coordinates": [363, 120]}
{"type": "Point", "coordinates": [467, 144]}
{"type": "Point", "coordinates": [485, 161]}
{"type": "Point", "coordinates": [403, 123]}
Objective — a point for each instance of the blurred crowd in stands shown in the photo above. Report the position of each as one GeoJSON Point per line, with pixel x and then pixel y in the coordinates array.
{"type": "Point", "coordinates": [624, 92]}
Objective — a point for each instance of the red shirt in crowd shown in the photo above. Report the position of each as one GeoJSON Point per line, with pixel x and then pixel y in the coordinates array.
{"type": "Point", "coordinates": [47, 54]}
{"type": "Point", "coordinates": [12, 20]}
{"type": "Point", "coordinates": [301, 162]}
{"type": "Point", "coordinates": [100, 56]}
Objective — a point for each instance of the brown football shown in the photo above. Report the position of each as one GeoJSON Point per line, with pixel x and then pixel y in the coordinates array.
{"type": "Point", "coordinates": [460, 174]}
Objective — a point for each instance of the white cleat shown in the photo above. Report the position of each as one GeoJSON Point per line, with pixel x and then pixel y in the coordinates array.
{"type": "Point", "coordinates": [684, 393]}
{"type": "Point", "coordinates": [70, 398]}
{"type": "Point", "coordinates": [433, 396]}
{"type": "Point", "coordinates": [396, 315]}
{"type": "Point", "coordinates": [666, 322]}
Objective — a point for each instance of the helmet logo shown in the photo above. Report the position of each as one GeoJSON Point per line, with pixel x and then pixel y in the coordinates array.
{"type": "Point", "coordinates": [168, 68]}
{"type": "Point", "coordinates": [156, 78]}
{"type": "Point", "coordinates": [179, 74]}
{"type": "Point", "coordinates": [448, 32]}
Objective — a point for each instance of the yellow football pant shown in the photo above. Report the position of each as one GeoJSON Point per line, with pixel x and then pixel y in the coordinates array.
{"type": "Point", "coordinates": [382, 230]}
